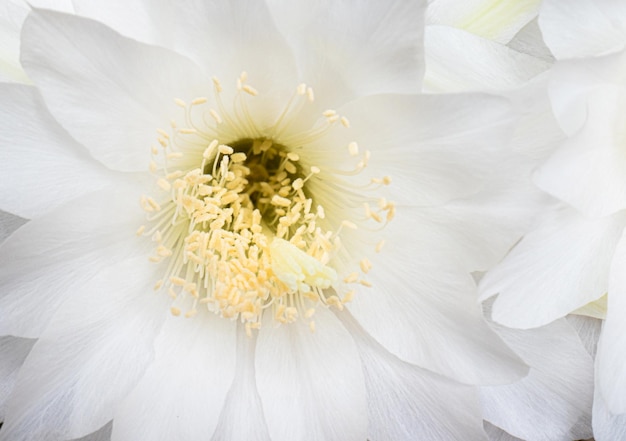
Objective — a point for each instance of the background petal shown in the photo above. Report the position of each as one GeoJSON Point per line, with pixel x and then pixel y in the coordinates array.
{"type": "Point", "coordinates": [558, 267]}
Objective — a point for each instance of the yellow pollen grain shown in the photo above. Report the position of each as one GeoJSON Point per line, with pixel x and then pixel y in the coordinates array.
{"type": "Point", "coordinates": [353, 149]}
{"type": "Point", "coordinates": [180, 103]}
{"type": "Point", "coordinates": [365, 265]}
{"type": "Point", "coordinates": [379, 246]}
{"type": "Point", "coordinates": [226, 150]}
{"type": "Point", "coordinates": [310, 94]}
{"type": "Point", "coordinates": [198, 101]}
{"type": "Point", "coordinates": [250, 90]}
{"type": "Point", "coordinates": [175, 311]}
{"type": "Point", "coordinates": [140, 230]}
{"type": "Point", "coordinates": [345, 122]}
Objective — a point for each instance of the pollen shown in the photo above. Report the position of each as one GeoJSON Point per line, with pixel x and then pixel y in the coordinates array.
{"type": "Point", "coordinates": [244, 224]}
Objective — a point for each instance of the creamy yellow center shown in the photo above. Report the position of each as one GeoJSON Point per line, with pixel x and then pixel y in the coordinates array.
{"type": "Point", "coordinates": [235, 223]}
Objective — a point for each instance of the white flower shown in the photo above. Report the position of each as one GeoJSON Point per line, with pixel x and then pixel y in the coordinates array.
{"type": "Point", "coordinates": [576, 255]}
{"type": "Point", "coordinates": [300, 323]}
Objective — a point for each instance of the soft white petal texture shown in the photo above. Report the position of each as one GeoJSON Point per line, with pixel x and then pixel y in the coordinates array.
{"type": "Point", "coordinates": [41, 166]}
{"type": "Point", "coordinates": [111, 93]}
{"type": "Point", "coordinates": [612, 346]}
{"type": "Point", "coordinates": [225, 38]}
{"type": "Point", "coordinates": [589, 330]}
{"type": "Point", "coordinates": [560, 266]}
{"type": "Point", "coordinates": [578, 28]}
{"type": "Point", "coordinates": [13, 351]}
{"type": "Point", "coordinates": [588, 170]}
{"type": "Point", "coordinates": [192, 370]}
{"type": "Point", "coordinates": [53, 257]}
{"type": "Point", "coordinates": [104, 434]}
{"type": "Point", "coordinates": [355, 48]}
{"type": "Point", "coordinates": [8, 224]}
{"type": "Point", "coordinates": [311, 384]}
{"type": "Point", "coordinates": [494, 433]}
{"type": "Point", "coordinates": [556, 394]}
{"type": "Point", "coordinates": [497, 20]}
{"type": "Point", "coordinates": [574, 81]}
{"type": "Point", "coordinates": [441, 147]}
{"type": "Point", "coordinates": [437, 323]}
{"type": "Point", "coordinates": [607, 426]}
{"type": "Point", "coordinates": [458, 61]}
{"type": "Point", "coordinates": [90, 356]}
{"type": "Point", "coordinates": [12, 15]}
{"type": "Point", "coordinates": [406, 402]}
{"type": "Point", "coordinates": [243, 403]}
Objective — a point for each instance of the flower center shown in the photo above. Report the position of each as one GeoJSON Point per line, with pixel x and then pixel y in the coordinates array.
{"type": "Point", "coordinates": [239, 228]}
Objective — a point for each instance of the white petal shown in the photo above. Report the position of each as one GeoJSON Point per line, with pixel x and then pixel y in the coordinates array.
{"type": "Point", "coordinates": [41, 167]}
{"type": "Point", "coordinates": [588, 329]}
{"type": "Point", "coordinates": [439, 147]}
{"type": "Point", "coordinates": [560, 266]}
{"type": "Point", "coordinates": [573, 81]}
{"type": "Point", "coordinates": [91, 355]}
{"type": "Point", "coordinates": [182, 392]}
{"type": "Point", "coordinates": [243, 402]}
{"type": "Point", "coordinates": [437, 323]}
{"type": "Point", "coordinates": [111, 93]}
{"type": "Point", "coordinates": [578, 28]}
{"type": "Point", "coordinates": [12, 15]}
{"type": "Point", "coordinates": [612, 346]}
{"type": "Point", "coordinates": [407, 403]}
{"type": "Point", "coordinates": [53, 257]}
{"type": "Point", "coordinates": [355, 48]}
{"type": "Point", "coordinates": [311, 384]}
{"type": "Point", "coordinates": [13, 352]}
{"type": "Point", "coordinates": [457, 61]}
{"type": "Point", "coordinates": [224, 37]}
{"type": "Point", "coordinates": [588, 170]}
{"type": "Point", "coordinates": [493, 19]}
{"type": "Point", "coordinates": [607, 426]}
{"type": "Point", "coordinates": [557, 392]}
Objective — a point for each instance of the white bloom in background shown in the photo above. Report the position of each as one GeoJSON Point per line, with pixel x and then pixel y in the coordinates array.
{"type": "Point", "coordinates": [496, 46]}
{"type": "Point", "coordinates": [241, 227]}
{"type": "Point", "coordinates": [574, 260]}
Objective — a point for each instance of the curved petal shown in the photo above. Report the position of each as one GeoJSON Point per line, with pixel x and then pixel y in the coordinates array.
{"type": "Point", "coordinates": [13, 352]}
{"type": "Point", "coordinates": [90, 356]}
{"type": "Point", "coordinates": [311, 384]}
{"type": "Point", "coordinates": [435, 147]}
{"type": "Point", "coordinates": [497, 20]}
{"type": "Point", "coordinates": [589, 330]}
{"type": "Point", "coordinates": [243, 402]}
{"type": "Point", "coordinates": [355, 48]}
{"type": "Point", "coordinates": [224, 37]}
{"type": "Point", "coordinates": [52, 257]}
{"type": "Point", "coordinates": [560, 266]}
{"type": "Point", "coordinates": [578, 28]}
{"type": "Point", "coordinates": [406, 402]}
{"type": "Point", "coordinates": [573, 81]}
{"type": "Point", "coordinates": [529, 40]}
{"type": "Point", "coordinates": [607, 426]}
{"type": "Point", "coordinates": [12, 15]}
{"type": "Point", "coordinates": [588, 170]}
{"type": "Point", "coordinates": [182, 392]}
{"type": "Point", "coordinates": [457, 61]}
{"type": "Point", "coordinates": [612, 345]}
{"type": "Point", "coordinates": [111, 93]}
{"type": "Point", "coordinates": [41, 167]}
{"type": "Point", "coordinates": [557, 392]}
{"type": "Point", "coordinates": [437, 323]}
